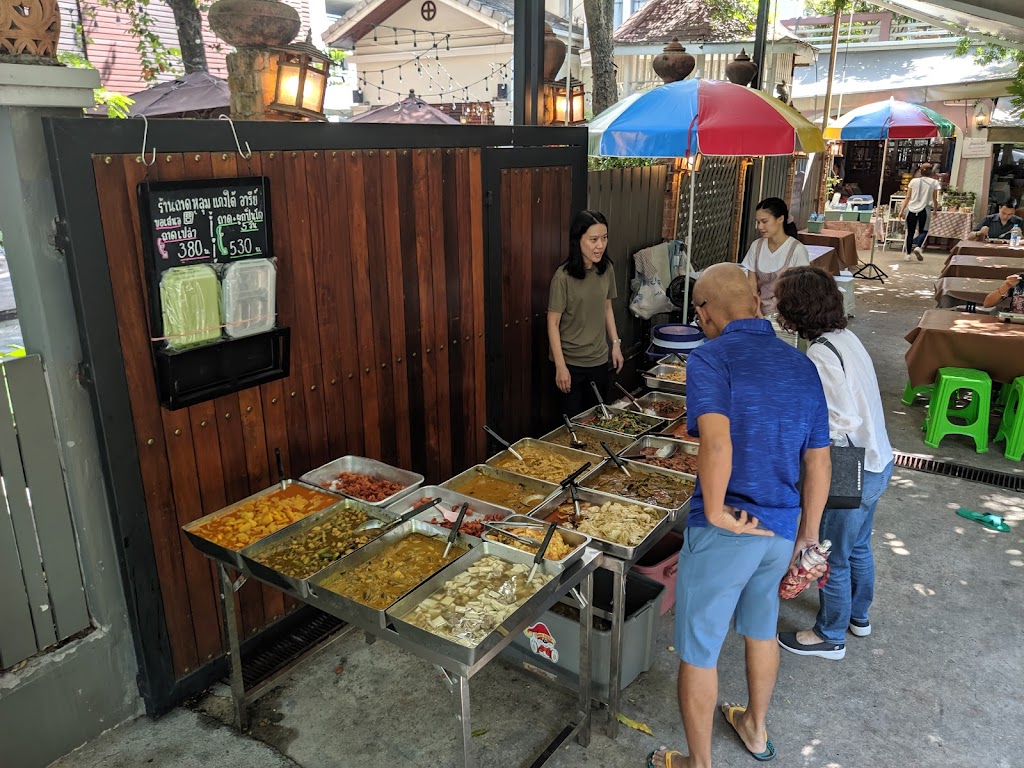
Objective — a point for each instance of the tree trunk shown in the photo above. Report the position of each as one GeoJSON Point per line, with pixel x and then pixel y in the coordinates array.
{"type": "Point", "coordinates": [600, 16]}
{"type": "Point", "coordinates": [189, 23]}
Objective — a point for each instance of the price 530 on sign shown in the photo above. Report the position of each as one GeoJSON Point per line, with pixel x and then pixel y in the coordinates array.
{"type": "Point", "coordinates": [204, 221]}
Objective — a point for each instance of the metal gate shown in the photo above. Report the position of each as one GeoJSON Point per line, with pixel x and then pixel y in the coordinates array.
{"type": "Point", "coordinates": [42, 602]}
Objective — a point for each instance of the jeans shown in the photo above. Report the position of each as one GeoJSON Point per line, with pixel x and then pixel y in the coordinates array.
{"type": "Point", "coordinates": [851, 584]}
{"type": "Point", "coordinates": [916, 221]}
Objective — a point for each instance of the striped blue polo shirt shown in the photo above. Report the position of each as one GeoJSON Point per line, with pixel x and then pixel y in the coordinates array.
{"type": "Point", "coordinates": [776, 408]}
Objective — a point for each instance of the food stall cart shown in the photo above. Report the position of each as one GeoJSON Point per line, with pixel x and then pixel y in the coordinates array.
{"type": "Point", "coordinates": [295, 516]}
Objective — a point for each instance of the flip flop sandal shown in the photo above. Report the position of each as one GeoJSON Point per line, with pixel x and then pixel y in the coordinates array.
{"type": "Point", "coordinates": [987, 519]}
{"type": "Point", "coordinates": [730, 711]}
{"type": "Point", "coordinates": [668, 756]}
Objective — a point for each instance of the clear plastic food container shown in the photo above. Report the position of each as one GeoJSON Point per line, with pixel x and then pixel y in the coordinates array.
{"type": "Point", "coordinates": [250, 297]}
{"type": "Point", "coordinates": [190, 301]}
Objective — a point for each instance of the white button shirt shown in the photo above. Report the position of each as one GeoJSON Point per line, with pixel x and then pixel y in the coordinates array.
{"type": "Point", "coordinates": [854, 402]}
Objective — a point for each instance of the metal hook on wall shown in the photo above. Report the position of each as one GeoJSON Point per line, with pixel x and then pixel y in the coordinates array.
{"type": "Point", "coordinates": [248, 151]}
{"type": "Point", "coordinates": [145, 138]}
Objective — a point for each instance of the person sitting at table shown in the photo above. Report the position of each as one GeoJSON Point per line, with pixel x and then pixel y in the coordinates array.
{"type": "Point", "coordinates": [774, 252]}
{"type": "Point", "coordinates": [997, 226]}
{"type": "Point", "coordinates": [1012, 289]}
{"type": "Point", "coordinates": [922, 198]}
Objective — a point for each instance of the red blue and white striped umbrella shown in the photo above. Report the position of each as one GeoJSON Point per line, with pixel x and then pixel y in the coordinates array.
{"type": "Point", "coordinates": [890, 119]}
{"type": "Point", "coordinates": [710, 117]}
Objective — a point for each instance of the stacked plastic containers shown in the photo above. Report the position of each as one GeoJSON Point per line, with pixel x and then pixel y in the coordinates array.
{"type": "Point", "coordinates": [250, 297]}
{"type": "Point", "coordinates": [190, 298]}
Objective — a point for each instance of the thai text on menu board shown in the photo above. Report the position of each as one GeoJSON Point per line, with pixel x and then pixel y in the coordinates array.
{"type": "Point", "coordinates": [215, 220]}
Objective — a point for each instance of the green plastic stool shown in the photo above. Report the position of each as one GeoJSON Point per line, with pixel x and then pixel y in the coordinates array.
{"type": "Point", "coordinates": [911, 393]}
{"type": "Point", "coordinates": [1011, 428]}
{"type": "Point", "coordinates": [937, 423]}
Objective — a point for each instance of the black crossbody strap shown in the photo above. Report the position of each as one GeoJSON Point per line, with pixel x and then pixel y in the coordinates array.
{"type": "Point", "coordinates": [830, 345]}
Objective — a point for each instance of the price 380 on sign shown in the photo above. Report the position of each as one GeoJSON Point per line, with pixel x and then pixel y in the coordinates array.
{"type": "Point", "coordinates": [205, 221]}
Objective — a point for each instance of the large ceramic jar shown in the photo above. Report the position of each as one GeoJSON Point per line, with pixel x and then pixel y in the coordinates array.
{"type": "Point", "coordinates": [741, 70]}
{"type": "Point", "coordinates": [254, 23]}
{"type": "Point", "coordinates": [673, 63]}
{"type": "Point", "coordinates": [554, 54]}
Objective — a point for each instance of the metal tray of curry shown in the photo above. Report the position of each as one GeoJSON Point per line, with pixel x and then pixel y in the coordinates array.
{"type": "Point", "coordinates": [289, 558]}
{"type": "Point", "coordinates": [589, 437]}
{"type": "Point", "coordinates": [225, 533]}
{"type": "Point", "coordinates": [360, 587]}
{"type": "Point", "coordinates": [566, 543]}
{"type": "Point", "coordinates": [662, 405]}
{"type": "Point", "coordinates": [668, 378]}
{"type": "Point", "coordinates": [648, 522]}
{"type": "Point", "coordinates": [653, 486]}
{"type": "Point", "coordinates": [516, 493]}
{"type": "Point", "coordinates": [620, 422]}
{"type": "Point", "coordinates": [683, 460]}
{"type": "Point", "coordinates": [543, 461]}
{"type": "Point", "coordinates": [466, 580]}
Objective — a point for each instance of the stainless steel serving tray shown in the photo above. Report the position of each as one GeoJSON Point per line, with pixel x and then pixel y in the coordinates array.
{"type": "Point", "coordinates": [588, 415]}
{"type": "Point", "coordinates": [654, 397]}
{"type": "Point", "coordinates": [579, 457]}
{"type": "Point", "coordinates": [651, 379]}
{"type": "Point", "coordinates": [375, 469]}
{"type": "Point", "coordinates": [449, 498]}
{"type": "Point", "coordinates": [674, 512]}
{"type": "Point", "coordinates": [578, 541]}
{"type": "Point", "coordinates": [673, 360]}
{"type": "Point", "coordinates": [653, 441]}
{"type": "Point", "coordinates": [615, 549]}
{"type": "Point", "coordinates": [588, 436]}
{"type": "Point", "coordinates": [296, 586]}
{"type": "Point", "coordinates": [459, 653]}
{"type": "Point", "coordinates": [233, 557]}
{"type": "Point", "coordinates": [532, 484]}
{"type": "Point", "coordinates": [353, 611]}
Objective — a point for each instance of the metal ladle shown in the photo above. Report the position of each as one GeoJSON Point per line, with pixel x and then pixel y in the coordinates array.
{"type": "Point", "coordinates": [629, 396]}
{"type": "Point", "coordinates": [574, 441]}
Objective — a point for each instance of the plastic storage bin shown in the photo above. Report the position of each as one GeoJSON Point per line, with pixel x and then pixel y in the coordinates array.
{"type": "Point", "coordinates": [815, 226]}
{"type": "Point", "coordinates": [860, 202]}
{"type": "Point", "coordinates": [661, 563]}
{"type": "Point", "coordinates": [190, 304]}
{"type": "Point", "coordinates": [845, 282]}
{"type": "Point", "coordinates": [250, 297]}
{"type": "Point", "coordinates": [551, 646]}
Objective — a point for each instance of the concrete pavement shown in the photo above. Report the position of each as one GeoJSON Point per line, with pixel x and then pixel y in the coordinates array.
{"type": "Point", "coordinates": [936, 684]}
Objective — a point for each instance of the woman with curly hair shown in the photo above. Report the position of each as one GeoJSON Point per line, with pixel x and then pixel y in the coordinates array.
{"type": "Point", "coordinates": [810, 305]}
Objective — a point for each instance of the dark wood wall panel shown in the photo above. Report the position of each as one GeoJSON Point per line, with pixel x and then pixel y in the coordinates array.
{"type": "Point", "coordinates": [380, 277]}
{"type": "Point", "coordinates": [533, 242]}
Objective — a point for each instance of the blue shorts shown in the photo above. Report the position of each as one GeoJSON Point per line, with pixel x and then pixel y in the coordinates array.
{"type": "Point", "coordinates": [722, 577]}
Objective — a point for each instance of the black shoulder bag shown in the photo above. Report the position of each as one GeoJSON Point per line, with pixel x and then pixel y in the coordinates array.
{"type": "Point", "coordinates": [847, 489]}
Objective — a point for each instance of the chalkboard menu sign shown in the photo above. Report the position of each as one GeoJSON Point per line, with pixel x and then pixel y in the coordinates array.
{"type": "Point", "coordinates": [205, 221]}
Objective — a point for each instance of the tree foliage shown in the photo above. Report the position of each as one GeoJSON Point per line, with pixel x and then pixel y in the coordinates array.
{"type": "Point", "coordinates": [117, 104]}
{"type": "Point", "coordinates": [989, 53]}
{"type": "Point", "coordinates": [728, 12]}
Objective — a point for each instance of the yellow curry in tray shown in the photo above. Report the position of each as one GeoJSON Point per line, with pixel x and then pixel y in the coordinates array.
{"type": "Point", "coordinates": [258, 518]}
{"type": "Point", "coordinates": [393, 571]}
{"type": "Point", "coordinates": [540, 463]}
{"type": "Point", "coordinates": [504, 493]}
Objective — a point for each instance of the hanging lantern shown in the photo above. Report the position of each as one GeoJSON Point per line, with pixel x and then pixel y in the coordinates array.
{"type": "Point", "coordinates": [29, 28]}
{"type": "Point", "coordinates": [302, 73]}
{"type": "Point", "coordinates": [673, 63]}
{"type": "Point", "coordinates": [741, 70]}
{"type": "Point", "coordinates": [567, 102]}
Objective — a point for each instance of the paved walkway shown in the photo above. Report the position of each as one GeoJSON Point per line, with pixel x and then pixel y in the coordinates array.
{"type": "Point", "coordinates": [936, 685]}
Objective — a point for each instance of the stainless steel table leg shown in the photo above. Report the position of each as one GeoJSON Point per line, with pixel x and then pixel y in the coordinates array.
{"type": "Point", "coordinates": [234, 653]}
{"type": "Point", "coordinates": [615, 671]}
{"type": "Point", "coordinates": [586, 627]}
{"type": "Point", "coordinates": [464, 719]}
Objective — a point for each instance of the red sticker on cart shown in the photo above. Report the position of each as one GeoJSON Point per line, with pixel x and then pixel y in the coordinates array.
{"type": "Point", "coordinates": [542, 642]}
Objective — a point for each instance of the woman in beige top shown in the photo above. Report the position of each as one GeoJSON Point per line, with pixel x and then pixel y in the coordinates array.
{"type": "Point", "coordinates": [776, 251]}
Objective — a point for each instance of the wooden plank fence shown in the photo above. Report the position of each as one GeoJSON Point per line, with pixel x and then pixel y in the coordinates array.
{"type": "Point", "coordinates": [42, 601]}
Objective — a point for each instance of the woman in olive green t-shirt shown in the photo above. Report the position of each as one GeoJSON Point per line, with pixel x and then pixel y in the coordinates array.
{"type": "Point", "coordinates": [580, 315]}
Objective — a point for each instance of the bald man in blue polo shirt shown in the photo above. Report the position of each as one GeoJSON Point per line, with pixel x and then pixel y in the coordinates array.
{"type": "Point", "coordinates": [758, 407]}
